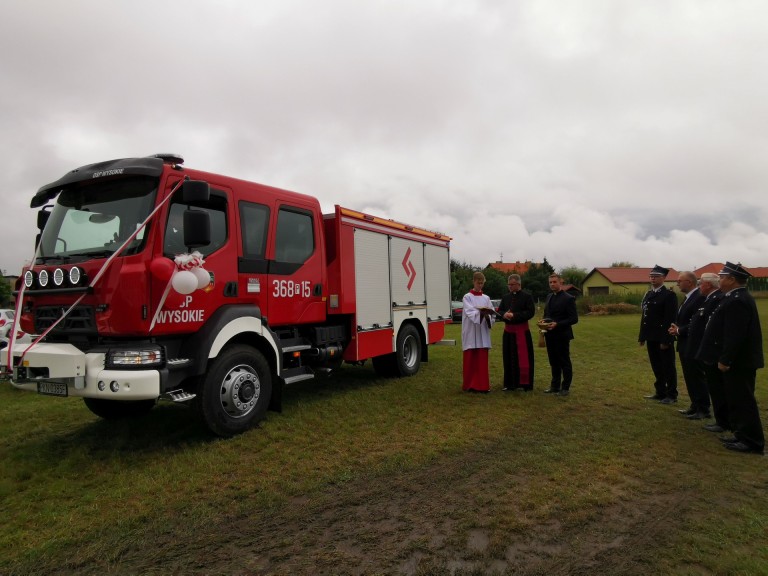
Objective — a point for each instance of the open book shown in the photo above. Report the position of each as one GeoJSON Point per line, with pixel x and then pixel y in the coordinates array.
{"type": "Point", "coordinates": [491, 311]}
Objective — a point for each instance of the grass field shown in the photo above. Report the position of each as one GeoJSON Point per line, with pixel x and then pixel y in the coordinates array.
{"type": "Point", "coordinates": [360, 475]}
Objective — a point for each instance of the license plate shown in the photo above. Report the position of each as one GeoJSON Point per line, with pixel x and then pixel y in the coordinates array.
{"type": "Point", "coordinates": [52, 388]}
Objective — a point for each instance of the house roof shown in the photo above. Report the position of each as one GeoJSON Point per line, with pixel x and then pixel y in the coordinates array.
{"type": "Point", "coordinates": [511, 267]}
{"type": "Point", "coordinates": [759, 272]}
{"type": "Point", "coordinates": [715, 267]}
{"type": "Point", "coordinates": [630, 275]}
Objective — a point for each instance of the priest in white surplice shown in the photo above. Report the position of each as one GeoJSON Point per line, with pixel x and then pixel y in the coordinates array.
{"type": "Point", "coordinates": [476, 321]}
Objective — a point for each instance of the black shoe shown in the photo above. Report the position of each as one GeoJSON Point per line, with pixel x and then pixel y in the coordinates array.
{"type": "Point", "coordinates": [688, 411]}
{"type": "Point", "coordinates": [668, 401]}
{"type": "Point", "coordinates": [743, 448]}
{"type": "Point", "coordinates": [699, 416]}
{"type": "Point", "coordinates": [653, 397]}
{"type": "Point", "coordinates": [713, 427]}
{"type": "Point", "coordinates": [552, 391]}
{"type": "Point", "coordinates": [563, 392]}
{"type": "Point", "coordinates": [728, 439]}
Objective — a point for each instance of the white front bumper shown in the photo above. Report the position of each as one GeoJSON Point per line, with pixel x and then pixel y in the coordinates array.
{"type": "Point", "coordinates": [82, 373]}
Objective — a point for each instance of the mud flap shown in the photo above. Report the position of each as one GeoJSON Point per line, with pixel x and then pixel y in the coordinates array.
{"type": "Point", "coordinates": [276, 400]}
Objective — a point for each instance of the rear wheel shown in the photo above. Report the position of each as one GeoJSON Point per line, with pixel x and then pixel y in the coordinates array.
{"type": "Point", "coordinates": [406, 359]}
{"type": "Point", "coordinates": [408, 351]}
{"type": "Point", "coordinates": [235, 391]}
{"type": "Point", "coordinates": [117, 409]}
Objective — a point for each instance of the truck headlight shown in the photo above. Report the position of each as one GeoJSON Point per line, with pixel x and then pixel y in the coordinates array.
{"type": "Point", "coordinates": [75, 274]}
{"type": "Point", "coordinates": [137, 358]}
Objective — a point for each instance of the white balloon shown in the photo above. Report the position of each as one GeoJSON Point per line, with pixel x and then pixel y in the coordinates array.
{"type": "Point", "coordinates": [203, 278]}
{"type": "Point", "coordinates": [184, 282]}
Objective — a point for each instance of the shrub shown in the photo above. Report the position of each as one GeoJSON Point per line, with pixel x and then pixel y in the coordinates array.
{"type": "Point", "coordinates": [610, 304]}
{"type": "Point", "coordinates": [618, 308]}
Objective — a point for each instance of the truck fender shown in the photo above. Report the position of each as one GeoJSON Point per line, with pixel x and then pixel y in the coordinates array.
{"type": "Point", "coordinates": [239, 326]}
{"type": "Point", "coordinates": [226, 325]}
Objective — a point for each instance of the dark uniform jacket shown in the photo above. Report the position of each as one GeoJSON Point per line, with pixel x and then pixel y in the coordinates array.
{"type": "Point", "coordinates": [698, 323]}
{"type": "Point", "coordinates": [688, 308]}
{"type": "Point", "coordinates": [733, 336]}
{"type": "Point", "coordinates": [521, 305]}
{"type": "Point", "coordinates": [659, 310]}
{"type": "Point", "coordinates": [561, 307]}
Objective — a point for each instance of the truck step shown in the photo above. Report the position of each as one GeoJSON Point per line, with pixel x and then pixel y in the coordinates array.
{"type": "Point", "coordinates": [291, 375]}
{"type": "Point", "coordinates": [178, 396]}
{"type": "Point", "coordinates": [296, 348]}
{"type": "Point", "coordinates": [294, 344]}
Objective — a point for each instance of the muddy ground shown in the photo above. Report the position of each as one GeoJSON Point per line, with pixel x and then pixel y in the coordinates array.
{"type": "Point", "coordinates": [432, 521]}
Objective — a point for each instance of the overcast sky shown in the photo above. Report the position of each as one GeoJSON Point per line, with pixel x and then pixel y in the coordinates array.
{"type": "Point", "coordinates": [586, 132]}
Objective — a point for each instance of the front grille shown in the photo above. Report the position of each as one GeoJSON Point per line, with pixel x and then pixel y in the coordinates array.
{"type": "Point", "coordinates": [79, 321]}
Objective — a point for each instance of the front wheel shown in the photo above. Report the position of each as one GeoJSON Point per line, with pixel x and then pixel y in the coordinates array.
{"type": "Point", "coordinates": [236, 390]}
{"type": "Point", "coordinates": [117, 409]}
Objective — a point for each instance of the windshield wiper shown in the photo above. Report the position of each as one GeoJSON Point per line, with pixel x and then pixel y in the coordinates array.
{"type": "Point", "coordinates": [59, 258]}
{"type": "Point", "coordinates": [96, 253]}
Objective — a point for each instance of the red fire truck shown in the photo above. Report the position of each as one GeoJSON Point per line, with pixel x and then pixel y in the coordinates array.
{"type": "Point", "coordinates": [153, 281]}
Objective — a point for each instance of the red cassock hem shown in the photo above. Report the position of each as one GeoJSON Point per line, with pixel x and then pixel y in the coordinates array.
{"type": "Point", "coordinates": [476, 375]}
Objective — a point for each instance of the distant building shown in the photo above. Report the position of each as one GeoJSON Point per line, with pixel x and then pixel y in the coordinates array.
{"type": "Point", "coordinates": [713, 267]}
{"type": "Point", "coordinates": [508, 268]}
{"type": "Point", "coordinates": [602, 281]}
{"type": "Point", "coordinates": [635, 280]}
{"type": "Point", "coordinates": [758, 282]}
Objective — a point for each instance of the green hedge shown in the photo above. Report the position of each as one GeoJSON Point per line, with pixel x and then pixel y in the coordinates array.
{"type": "Point", "coordinates": [610, 304]}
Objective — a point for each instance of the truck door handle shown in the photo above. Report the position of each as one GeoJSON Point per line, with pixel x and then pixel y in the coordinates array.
{"type": "Point", "coordinates": [318, 291]}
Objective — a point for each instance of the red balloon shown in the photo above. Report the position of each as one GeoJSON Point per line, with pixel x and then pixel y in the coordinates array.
{"type": "Point", "coordinates": [162, 269]}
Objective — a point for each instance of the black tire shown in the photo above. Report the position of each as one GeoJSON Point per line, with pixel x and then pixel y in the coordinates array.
{"type": "Point", "coordinates": [119, 409]}
{"type": "Point", "coordinates": [407, 351]}
{"type": "Point", "coordinates": [235, 391]}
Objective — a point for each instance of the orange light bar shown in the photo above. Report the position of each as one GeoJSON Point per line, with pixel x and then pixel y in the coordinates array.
{"type": "Point", "coordinates": [392, 224]}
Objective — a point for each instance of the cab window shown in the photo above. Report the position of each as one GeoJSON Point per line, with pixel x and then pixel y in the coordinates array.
{"type": "Point", "coordinates": [174, 233]}
{"type": "Point", "coordinates": [254, 221]}
{"type": "Point", "coordinates": [295, 240]}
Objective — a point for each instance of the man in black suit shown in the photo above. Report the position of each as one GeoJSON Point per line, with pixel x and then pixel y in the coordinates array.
{"type": "Point", "coordinates": [560, 313]}
{"type": "Point", "coordinates": [659, 308]}
{"type": "Point", "coordinates": [709, 286]}
{"type": "Point", "coordinates": [693, 370]}
{"type": "Point", "coordinates": [734, 341]}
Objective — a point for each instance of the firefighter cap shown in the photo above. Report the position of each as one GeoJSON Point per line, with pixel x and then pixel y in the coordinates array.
{"type": "Point", "coordinates": [736, 270]}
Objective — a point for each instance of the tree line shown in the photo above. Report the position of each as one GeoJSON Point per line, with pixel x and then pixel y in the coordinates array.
{"type": "Point", "coordinates": [535, 280]}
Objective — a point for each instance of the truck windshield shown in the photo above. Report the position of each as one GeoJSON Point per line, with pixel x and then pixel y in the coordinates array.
{"type": "Point", "coordinates": [93, 220]}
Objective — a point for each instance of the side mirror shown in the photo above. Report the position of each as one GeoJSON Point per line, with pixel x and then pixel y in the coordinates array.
{"type": "Point", "coordinates": [197, 228]}
{"type": "Point", "coordinates": [42, 218]}
{"type": "Point", "coordinates": [195, 191]}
